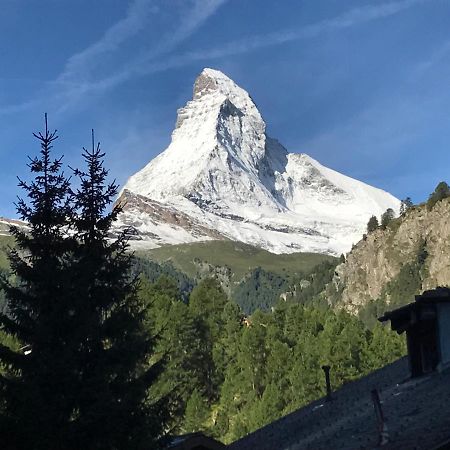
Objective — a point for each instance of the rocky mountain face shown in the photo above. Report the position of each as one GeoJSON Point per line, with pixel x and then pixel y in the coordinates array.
{"type": "Point", "coordinates": [222, 177]}
{"type": "Point", "coordinates": [415, 246]}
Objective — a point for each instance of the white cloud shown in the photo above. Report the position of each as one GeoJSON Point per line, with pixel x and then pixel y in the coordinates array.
{"type": "Point", "coordinates": [76, 79]}
{"type": "Point", "coordinates": [348, 19]}
{"type": "Point", "coordinates": [149, 64]}
{"type": "Point", "coordinates": [195, 15]}
{"type": "Point", "coordinates": [74, 82]}
{"type": "Point", "coordinates": [126, 28]}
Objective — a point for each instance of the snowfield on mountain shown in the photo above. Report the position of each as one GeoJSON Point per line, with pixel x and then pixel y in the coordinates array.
{"type": "Point", "coordinates": [222, 177]}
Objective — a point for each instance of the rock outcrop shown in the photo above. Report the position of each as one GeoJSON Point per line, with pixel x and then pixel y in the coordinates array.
{"type": "Point", "coordinates": [378, 258]}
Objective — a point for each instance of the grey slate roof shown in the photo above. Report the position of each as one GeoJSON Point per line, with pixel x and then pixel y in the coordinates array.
{"type": "Point", "coordinates": [417, 413]}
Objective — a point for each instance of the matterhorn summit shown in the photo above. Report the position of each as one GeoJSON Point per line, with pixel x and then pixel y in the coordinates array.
{"type": "Point", "coordinates": [222, 177]}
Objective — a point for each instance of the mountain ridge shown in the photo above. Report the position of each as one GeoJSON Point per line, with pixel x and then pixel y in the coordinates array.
{"type": "Point", "coordinates": [224, 172]}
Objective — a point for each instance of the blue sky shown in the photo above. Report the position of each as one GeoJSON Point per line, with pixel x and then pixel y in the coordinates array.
{"type": "Point", "coordinates": [362, 86]}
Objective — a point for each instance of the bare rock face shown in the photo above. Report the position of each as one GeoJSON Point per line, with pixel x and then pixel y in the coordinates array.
{"type": "Point", "coordinates": [204, 84]}
{"type": "Point", "coordinates": [147, 221]}
{"type": "Point", "coordinates": [378, 258]}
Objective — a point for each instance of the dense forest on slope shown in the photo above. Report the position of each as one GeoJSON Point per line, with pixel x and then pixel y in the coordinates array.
{"type": "Point", "coordinates": [261, 289]}
{"type": "Point", "coordinates": [5, 244]}
{"type": "Point", "coordinates": [231, 374]}
{"type": "Point", "coordinates": [149, 269]}
{"type": "Point", "coordinates": [252, 277]}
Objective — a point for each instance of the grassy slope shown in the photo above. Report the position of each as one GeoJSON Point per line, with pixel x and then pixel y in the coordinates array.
{"type": "Point", "coordinates": [5, 243]}
{"type": "Point", "coordinates": [239, 257]}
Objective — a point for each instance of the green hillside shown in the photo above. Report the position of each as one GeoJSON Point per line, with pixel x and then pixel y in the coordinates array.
{"type": "Point", "coordinates": [238, 257]}
{"type": "Point", "coordinates": [5, 243]}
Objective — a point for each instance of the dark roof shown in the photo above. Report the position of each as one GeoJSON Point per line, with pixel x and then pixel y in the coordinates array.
{"type": "Point", "coordinates": [194, 441]}
{"type": "Point", "coordinates": [417, 413]}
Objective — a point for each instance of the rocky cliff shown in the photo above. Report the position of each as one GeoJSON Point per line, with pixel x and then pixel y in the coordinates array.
{"type": "Point", "coordinates": [411, 254]}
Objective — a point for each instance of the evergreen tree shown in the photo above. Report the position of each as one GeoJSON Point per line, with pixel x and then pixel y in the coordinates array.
{"type": "Point", "coordinates": [232, 318]}
{"type": "Point", "coordinates": [207, 302]}
{"type": "Point", "coordinates": [405, 204]}
{"type": "Point", "coordinates": [387, 217]}
{"type": "Point", "coordinates": [382, 347]}
{"type": "Point", "coordinates": [442, 191]}
{"type": "Point", "coordinates": [196, 413]}
{"type": "Point", "coordinates": [82, 378]}
{"type": "Point", "coordinates": [188, 355]}
{"type": "Point", "coordinates": [113, 408]}
{"type": "Point", "coordinates": [252, 356]}
{"type": "Point", "coordinates": [268, 408]}
{"type": "Point", "coordinates": [372, 224]}
{"type": "Point", "coordinates": [37, 389]}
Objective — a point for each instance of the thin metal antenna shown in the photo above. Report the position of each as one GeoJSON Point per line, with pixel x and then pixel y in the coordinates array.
{"type": "Point", "coordinates": [383, 433]}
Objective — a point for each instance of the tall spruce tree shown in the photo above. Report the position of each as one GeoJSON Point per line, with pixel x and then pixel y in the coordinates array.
{"type": "Point", "coordinates": [82, 378]}
{"type": "Point", "coordinates": [36, 388]}
{"type": "Point", "coordinates": [115, 410]}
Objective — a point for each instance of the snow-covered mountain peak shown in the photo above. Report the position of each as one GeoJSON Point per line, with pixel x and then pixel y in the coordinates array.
{"type": "Point", "coordinates": [218, 95]}
{"type": "Point", "coordinates": [223, 176]}
{"type": "Point", "coordinates": [211, 81]}
{"type": "Point", "coordinates": [217, 146]}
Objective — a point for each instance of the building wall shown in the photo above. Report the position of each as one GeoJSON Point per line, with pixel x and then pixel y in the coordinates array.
{"type": "Point", "coordinates": [444, 331]}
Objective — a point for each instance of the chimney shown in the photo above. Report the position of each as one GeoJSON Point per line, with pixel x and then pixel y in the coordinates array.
{"type": "Point", "coordinates": [326, 369]}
